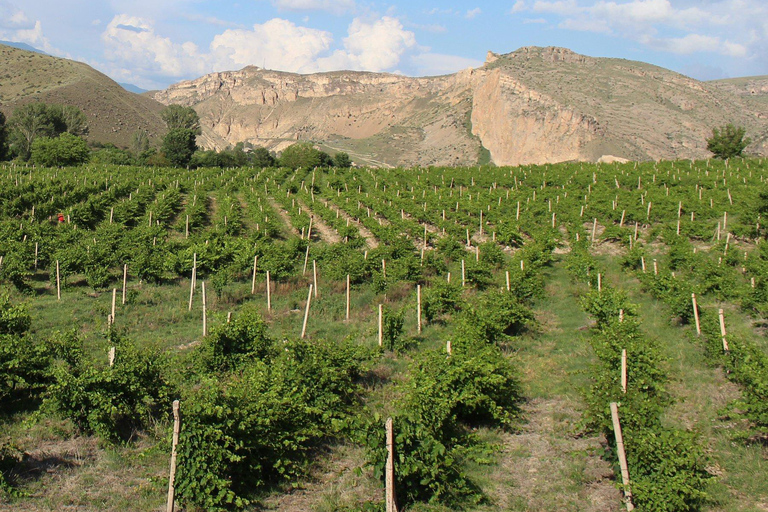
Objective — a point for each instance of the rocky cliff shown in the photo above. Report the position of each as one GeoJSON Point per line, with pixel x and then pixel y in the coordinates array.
{"type": "Point", "coordinates": [534, 105]}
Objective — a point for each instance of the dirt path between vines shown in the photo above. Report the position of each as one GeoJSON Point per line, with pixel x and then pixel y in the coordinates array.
{"type": "Point", "coordinates": [326, 233]}
{"type": "Point", "coordinates": [366, 233]}
{"type": "Point", "coordinates": [283, 215]}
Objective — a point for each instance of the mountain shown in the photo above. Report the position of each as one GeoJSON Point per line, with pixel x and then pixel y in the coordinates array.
{"type": "Point", "coordinates": [132, 88]}
{"type": "Point", "coordinates": [534, 105]}
{"type": "Point", "coordinates": [113, 113]}
{"type": "Point", "coordinates": [22, 46]}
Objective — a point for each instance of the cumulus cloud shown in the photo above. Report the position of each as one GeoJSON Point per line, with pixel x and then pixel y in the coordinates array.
{"type": "Point", "coordinates": [276, 44]}
{"type": "Point", "coordinates": [133, 41]}
{"type": "Point", "coordinates": [332, 6]}
{"type": "Point", "coordinates": [371, 46]}
{"type": "Point", "coordinates": [727, 27]}
{"type": "Point", "coordinates": [519, 6]}
{"type": "Point", "coordinates": [133, 47]}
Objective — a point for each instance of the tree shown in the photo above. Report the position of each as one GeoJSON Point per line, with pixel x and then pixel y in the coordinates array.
{"type": "Point", "coordinates": [28, 123]}
{"type": "Point", "coordinates": [66, 149]}
{"type": "Point", "coordinates": [342, 160]}
{"type": "Point", "coordinates": [304, 154]}
{"type": "Point", "coordinates": [3, 137]}
{"type": "Point", "coordinates": [139, 141]}
{"type": "Point", "coordinates": [728, 141]}
{"type": "Point", "coordinates": [179, 145]}
{"type": "Point", "coordinates": [35, 120]}
{"type": "Point", "coordinates": [176, 117]}
{"type": "Point", "coordinates": [260, 157]}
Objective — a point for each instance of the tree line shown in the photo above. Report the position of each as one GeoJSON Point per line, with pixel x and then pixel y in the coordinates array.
{"type": "Point", "coordinates": [54, 135]}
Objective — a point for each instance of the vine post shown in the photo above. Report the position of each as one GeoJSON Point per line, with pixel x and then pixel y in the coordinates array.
{"type": "Point", "coordinates": [269, 293]}
{"type": "Point", "coordinates": [205, 312]}
{"type": "Point", "coordinates": [381, 325]}
{"type": "Point", "coordinates": [125, 280]}
{"type": "Point", "coordinates": [622, 455]}
{"type": "Point", "coordinates": [390, 469]}
{"type": "Point", "coordinates": [722, 331]}
{"type": "Point", "coordinates": [58, 281]}
{"type": "Point", "coordinates": [347, 315]}
{"type": "Point", "coordinates": [696, 314]}
{"type": "Point", "coordinates": [418, 307]}
{"type": "Point", "coordinates": [306, 313]}
{"type": "Point", "coordinates": [253, 279]}
{"type": "Point", "coordinates": [174, 444]}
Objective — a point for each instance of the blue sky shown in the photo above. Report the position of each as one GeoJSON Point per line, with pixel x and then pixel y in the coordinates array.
{"type": "Point", "coordinates": [153, 43]}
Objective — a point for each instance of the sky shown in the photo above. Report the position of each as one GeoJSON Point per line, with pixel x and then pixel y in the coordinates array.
{"type": "Point", "coordinates": [154, 43]}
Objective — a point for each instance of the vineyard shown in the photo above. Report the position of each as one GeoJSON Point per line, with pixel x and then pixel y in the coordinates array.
{"type": "Point", "coordinates": [559, 337]}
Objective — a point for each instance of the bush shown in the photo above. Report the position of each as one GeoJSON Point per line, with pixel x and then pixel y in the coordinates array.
{"type": "Point", "coordinates": [66, 149]}
{"type": "Point", "coordinates": [115, 401]}
{"type": "Point", "coordinates": [727, 141]}
{"type": "Point", "coordinates": [233, 345]}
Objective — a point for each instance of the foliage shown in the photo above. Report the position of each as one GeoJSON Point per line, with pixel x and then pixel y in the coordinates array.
{"type": "Point", "coordinates": [246, 431]}
{"type": "Point", "coordinates": [342, 160]}
{"type": "Point", "coordinates": [303, 154]}
{"type": "Point", "coordinates": [66, 149]}
{"type": "Point", "coordinates": [728, 141]}
{"type": "Point", "coordinates": [34, 120]}
{"type": "Point", "coordinates": [235, 344]}
{"type": "Point", "coordinates": [177, 117]}
{"type": "Point", "coordinates": [113, 401]}
{"type": "Point", "coordinates": [179, 145]}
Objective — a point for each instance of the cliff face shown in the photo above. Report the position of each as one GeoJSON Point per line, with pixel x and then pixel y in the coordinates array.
{"type": "Point", "coordinates": [534, 105]}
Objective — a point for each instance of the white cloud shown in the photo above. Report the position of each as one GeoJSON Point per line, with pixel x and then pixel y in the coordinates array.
{"type": "Point", "coordinates": [695, 43]}
{"type": "Point", "coordinates": [735, 28]}
{"type": "Point", "coordinates": [276, 44]}
{"type": "Point", "coordinates": [375, 46]}
{"type": "Point", "coordinates": [433, 64]}
{"type": "Point", "coordinates": [132, 41]}
{"type": "Point", "coordinates": [473, 13]}
{"type": "Point", "coordinates": [519, 6]}
{"type": "Point", "coordinates": [332, 6]}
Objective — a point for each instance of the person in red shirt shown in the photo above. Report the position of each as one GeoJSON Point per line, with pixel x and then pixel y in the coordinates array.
{"type": "Point", "coordinates": [61, 217]}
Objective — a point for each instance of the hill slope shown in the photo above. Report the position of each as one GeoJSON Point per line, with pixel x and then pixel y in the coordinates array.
{"type": "Point", "coordinates": [534, 105]}
{"type": "Point", "coordinates": [113, 113]}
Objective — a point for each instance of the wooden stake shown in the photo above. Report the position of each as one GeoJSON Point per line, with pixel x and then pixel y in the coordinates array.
{"type": "Point", "coordinates": [253, 279]}
{"type": "Point", "coordinates": [269, 293]}
{"type": "Point", "coordinates": [418, 307]}
{"type": "Point", "coordinates": [624, 370]}
{"type": "Point", "coordinates": [642, 262]}
{"type": "Point", "coordinates": [722, 331]}
{"type": "Point", "coordinates": [306, 260]}
{"type": "Point", "coordinates": [655, 267]}
{"type": "Point", "coordinates": [389, 477]}
{"type": "Point", "coordinates": [314, 275]}
{"type": "Point", "coordinates": [193, 280]}
{"type": "Point", "coordinates": [507, 276]}
{"type": "Point", "coordinates": [463, 275]}
{"type": "Point", "coordinates": [599, 282]}
{"type": "Point", "coordinates": [594, 230]}
{"type": "Point", "coordinates": [306, 313]}
{"type": "Point", "coordinates": [696, 314]}
{"type": "Point", "coordinates": [381, 325]}
{"type": "Point", "coordinates": [114, 301]}
{"type": "Point", "coordinates": [347, 317]}
{"type": "Point", "coordinates": [111, 356]}
{"type": "Point", "coordinates": [174, 443]}
{"type": "Point", "coordinates": [622, 455]}
{"type": "Point", "coordinates": [35, 255]}
{"type": "Point", "coordinates": [58, 282]}
{"type": "Point", "coordinates": [205, 313]}
{"type": "Point", "coordinates": [186, 228]}
{"type": "Point", "coordinates": [125, 280]}
{"type": "Point", "coordinates": [448, 347]}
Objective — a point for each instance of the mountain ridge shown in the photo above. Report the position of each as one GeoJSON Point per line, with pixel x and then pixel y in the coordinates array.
{"type": "Point", "coordinates": [533, 105]}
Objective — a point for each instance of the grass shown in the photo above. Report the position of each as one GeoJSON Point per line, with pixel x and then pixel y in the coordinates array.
{"type": "Point", "coordinates": [702, 393]}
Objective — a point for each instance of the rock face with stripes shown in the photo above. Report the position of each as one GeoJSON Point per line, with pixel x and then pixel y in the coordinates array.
{"type": "Point", "coordinates": [534, 105]}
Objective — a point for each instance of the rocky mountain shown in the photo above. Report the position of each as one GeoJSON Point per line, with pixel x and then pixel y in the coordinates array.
{"type": "Point", "coordinates": [113, 113]}
{"type": "Point", "coordinates": [534, 105]}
